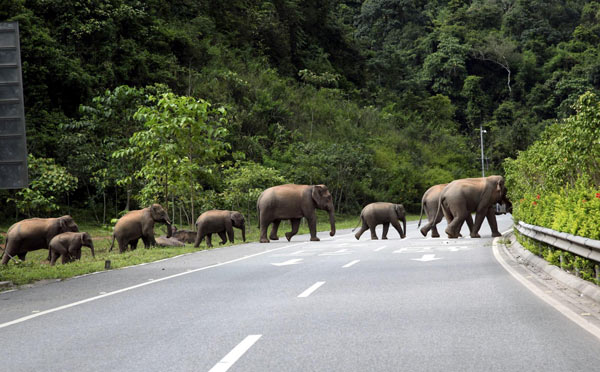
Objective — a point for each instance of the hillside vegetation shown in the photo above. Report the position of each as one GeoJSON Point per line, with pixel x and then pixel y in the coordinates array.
{"type": "Point", "coordinates": [202, 104]}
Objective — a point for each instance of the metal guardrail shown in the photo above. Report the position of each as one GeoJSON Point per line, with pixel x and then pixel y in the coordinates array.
{"type": "Point", "coordinates": [584, 247]}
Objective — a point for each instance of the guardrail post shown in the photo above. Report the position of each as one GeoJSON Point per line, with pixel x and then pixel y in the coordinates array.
{"type": "Point", "coordinates": [597, 270]}
{"type": "Point", "coordinates": [562, 260]}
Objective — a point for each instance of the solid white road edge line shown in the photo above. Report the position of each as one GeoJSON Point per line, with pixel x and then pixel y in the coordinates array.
{"type": "Point", "coordinates": [570, 314]}
{"type": "Point", "coordinates": [67, 306]}
{"type": "Point", "coordinates": [350, 263]}
{"type": "Point", "coordinates": [310, 290]}
{"type": "Point", "coordinates": [235, 354]}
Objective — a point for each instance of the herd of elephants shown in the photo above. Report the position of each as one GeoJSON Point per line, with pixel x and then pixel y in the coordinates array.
{"type": "Point", "coordinates": [455, 201]}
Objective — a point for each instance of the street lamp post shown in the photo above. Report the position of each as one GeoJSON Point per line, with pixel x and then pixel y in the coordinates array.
{"type": "Point", "coordinates": [481, 132]}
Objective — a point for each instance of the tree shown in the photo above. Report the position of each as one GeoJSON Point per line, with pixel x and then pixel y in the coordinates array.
{"type": "Point", "coordinates": [182, 139]}
{"type": "Point", "coordinates": [48, 184]}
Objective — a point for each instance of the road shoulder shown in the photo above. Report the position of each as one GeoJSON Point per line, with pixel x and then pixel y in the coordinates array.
{"type": "Point", "coordinates": [572, 296]}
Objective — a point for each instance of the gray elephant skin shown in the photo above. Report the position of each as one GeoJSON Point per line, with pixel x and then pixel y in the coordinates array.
{"type": "Point", "coordinates": [163, 241]}
{"type": "Point", "coordinates": [462, 197]}
{"type": "Point", "coordinates": [429, 204]}
{"type": "Point", "coordinates": [184, 236]}
{"type": "Point", "coordinates": [220, 222]}
{"type": "Point", "coordinates": [33, 234]}
{"type": "Point", "coordinates": [68, 245]}
{"type": "Point", "coordinates": [139, 224]}
{"type": "Point", "coordinates": [292, 202]}
{"type": "Point", "coordinates": [382, 213]}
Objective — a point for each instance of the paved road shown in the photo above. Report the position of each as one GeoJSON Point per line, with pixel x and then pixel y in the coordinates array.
{"type": "Point", "coordinates": [337, 305]}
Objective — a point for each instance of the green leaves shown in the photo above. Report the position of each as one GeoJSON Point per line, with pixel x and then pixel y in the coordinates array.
{"type": "Point", "coordinates": [182, 139]}
{"type": "Point", "coordinates": [555, 182]}
{"type": "Point", "coordinates": [48, 184]}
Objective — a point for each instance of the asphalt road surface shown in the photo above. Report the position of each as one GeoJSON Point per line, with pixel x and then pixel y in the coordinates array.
{"type": "Point", "coordinates": [414, 304]}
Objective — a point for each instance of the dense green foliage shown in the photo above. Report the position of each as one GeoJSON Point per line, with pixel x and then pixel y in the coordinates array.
{"type": "Point", "coordinates": [378, 99]}
{"type": "Point", "coordinates": [556, 182]}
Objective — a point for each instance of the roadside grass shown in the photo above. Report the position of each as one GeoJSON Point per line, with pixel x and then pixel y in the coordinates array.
{"type": "Point", "coordinates": [36, 267]}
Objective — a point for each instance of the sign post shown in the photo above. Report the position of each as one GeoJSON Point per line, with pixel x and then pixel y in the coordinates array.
{"type": "Point", "coordinates": [13, 147]}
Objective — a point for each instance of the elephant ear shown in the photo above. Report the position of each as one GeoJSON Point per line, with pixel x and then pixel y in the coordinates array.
{"type": "Point", "coordinates": [62, 224]}
{"type": "Point", "coordinates": [236, 218]}
{"type": "Point", "coordinates": [155, 210]}
{"type": "Point", "coordinates": [317, 194]}
{"type": "Point", "coordinates": [400, 210]}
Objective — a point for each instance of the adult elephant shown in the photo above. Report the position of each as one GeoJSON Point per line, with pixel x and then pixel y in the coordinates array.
{"type": "Point", "coordinates": [68, 245]}
{"type": "Point", "coordinates": [292, 202]}
{"type": "Point", "coordinates": [33, 234]}
{"type": "Point", "coordinates": [462, 197]}
{"type": "Point", "coordinates": [382, 213]}
{"type": "Point", "coordinates": [139, 224]}
{"type": "Point", "coordinates": [219, 222]}
{"type": "Point", "coordinates": [429, 204]}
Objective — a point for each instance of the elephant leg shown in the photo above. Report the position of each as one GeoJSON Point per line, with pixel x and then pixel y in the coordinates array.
{"type": "Point", "coordinates": [399, 229]}
{"type": "Point", "coordinates": [274, 229]}
{"type": "Point", "coordinates": [491, 217]}
{"type": "Point", "coordinates": [386, 228]}
{"type": "Point", "coordinates": [133, 244]}
{"type": "Point", "coordinates": [434, 232]}
{"type": "Point", "coordinates": [372, 227]}
{"type": "Point", "coordinates": [469, 221]}
{"type": "Point", "coordinates": [455, 221]}
{"type": "Point", "coordinates": [22, 256]}
{"type": "Point", "coordinates": [264, 225]}
{"type": "Point", "coordinates": [209, 240]}
{"type": "Point", "coordinates": [53, 257]}
{"type": "Point", "coordinates": [146, 241]}
{"type": "Point", "coordinates": [223, 236]}
{"type": "Point", "coordinates": [295, 222]}
{"type": "Point", "coordinates": [363, 228]}
{"type": "Point", "coordinates": [199, 238]}
{"type": "Point", "coordinates": [312, 226]}
{"type": "Point", "coordinates": [479, 216]}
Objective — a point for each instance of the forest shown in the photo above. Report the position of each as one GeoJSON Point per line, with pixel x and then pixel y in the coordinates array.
{"type": "Point", "coordinates": [203, 104]}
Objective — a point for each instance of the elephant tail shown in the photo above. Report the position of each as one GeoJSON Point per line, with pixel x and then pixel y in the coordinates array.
{"type": "Point", "coordinates": [359, 219]}
{"type": "Point", "coordinates": [112, 244]}
{"type": "Point", "coordinates": [421, 216]}
{"type": "Point", "coordinates": [437, 213]}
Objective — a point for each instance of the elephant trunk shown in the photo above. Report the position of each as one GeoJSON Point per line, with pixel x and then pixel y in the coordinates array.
{"type": "Point", "coordinates": [332, 221]}
{"type": "Point", "coordinates": [92, 249]}
{"type": "Point", "coordinates": [244, 232]}
{"type": "Point", "coordinates": [169, 229]}
{"type": "Point", "coordinates": [404, 227]}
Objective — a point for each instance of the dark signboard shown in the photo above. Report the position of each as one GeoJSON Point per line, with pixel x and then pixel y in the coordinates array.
{"type": "Point", "coordinates": [13, 149]}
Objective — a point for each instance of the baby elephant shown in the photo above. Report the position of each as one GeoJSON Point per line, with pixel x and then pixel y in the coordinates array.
{"type": "Point", "coordinates": [68, 245]}
{"type": "Point", "coordinates": [382, 213]}
{"type": "Point", "coordinates": [184, 236]}
{"type": "Point", "coordinates": [220, 222]}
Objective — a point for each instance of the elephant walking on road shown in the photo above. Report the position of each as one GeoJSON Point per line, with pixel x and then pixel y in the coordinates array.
{"type": "Point", "coordinates": [33, 234]}
{"type": "Point", "coordinates": [220, 222]}
{"type": "Point", "coordinates": [68, 245]}
{"type": "Point", "coordinates": [292, 202]}
{"type": "Point", "coordinates": [462, 197]}
{"type": "Point", "coordinates": [139, 224]}
{"type": "Point", "coordinates": [382, 213]}
{"type": "Point", "coordinates": [429, 204]}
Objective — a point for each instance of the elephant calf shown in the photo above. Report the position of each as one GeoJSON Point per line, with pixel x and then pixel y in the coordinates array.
{"type": "Point", "coordinates": [68, 245]}
{"type": "Point", "coordinates": [382, 213]}
{"type": "Point", "coordinates": [163, 241]}
{"type": "Point", "coordinates": [184, 236]}
{"type": "Point", "coordinates": [220, 222]}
